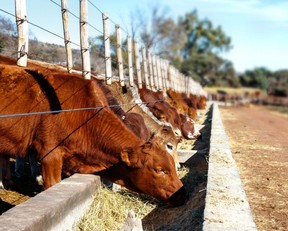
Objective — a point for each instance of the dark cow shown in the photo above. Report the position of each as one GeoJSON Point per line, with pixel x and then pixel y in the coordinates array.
{"type": "Point", "coordinates": [66, 121]}
{"type": "Point", "coordinates": [5, 174]}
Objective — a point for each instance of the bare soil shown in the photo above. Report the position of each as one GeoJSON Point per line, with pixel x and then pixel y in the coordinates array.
{"type": "Point", "coordinates": [259, 144]}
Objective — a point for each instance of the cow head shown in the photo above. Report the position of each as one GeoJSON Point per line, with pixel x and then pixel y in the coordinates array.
{"type": "Point", "coordinates": [166, 136]}
{"type": "Point", "coordinates": [148, 169]}
{"type": "Point", "coordinates": [188, 128]}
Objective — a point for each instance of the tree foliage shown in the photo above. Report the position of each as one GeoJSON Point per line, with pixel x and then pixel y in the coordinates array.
{"type": "Point", "coordinates": [202, 37]}
{"type": "Point", "coordinates": [191, 44]}
{"type": "Point", "coordinates": [275, 83]}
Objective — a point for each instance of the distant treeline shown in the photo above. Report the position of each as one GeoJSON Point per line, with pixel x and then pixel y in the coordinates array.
{"type": "Point", "coordinates": [205, 67]}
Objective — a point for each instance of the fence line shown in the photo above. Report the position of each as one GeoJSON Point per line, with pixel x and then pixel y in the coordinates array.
{"type": "Point", "coordinates": [85, 54]}
{"type": "Point", "coordinates": [22, 27]}
{"type": "Point", "coordinates": [65, 20]}
{"type": "Point", "coordinates": [157, 76]}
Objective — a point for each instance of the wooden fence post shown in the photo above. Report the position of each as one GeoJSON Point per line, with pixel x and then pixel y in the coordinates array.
{"type": "Point", "coordinates": [171, 78]}
{"type": "Point", "coordinates": [145, 69]}
{"type": "Point", "coordinates": [168, 83]}
{"type": "Point", "coordinates": [159, 74]}
{"type": "Point", "coordinates": [137, 63]}
{"type": "Point", "coordinates": [150, 65]}
{"type": "Point", "coordinates": [85, 54]}
{"type": "Point", "coordinates": [22, 27]}
{"type": "Point", "coordinates": [163, 74]}
{"type": "Point", "coordinates": [155, 74]}
{"type": "Point", "coordinates": [119, 55]}
{"type": "Point", "coordinates": [67, 42]}
{"type": "Point", "coordinates": [130, 62]}
{"type": "Point", "coordinates": [106, 30]}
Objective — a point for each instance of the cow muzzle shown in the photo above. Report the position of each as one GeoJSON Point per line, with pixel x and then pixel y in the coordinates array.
{"type": "Point", "coordinates": [178, 198]}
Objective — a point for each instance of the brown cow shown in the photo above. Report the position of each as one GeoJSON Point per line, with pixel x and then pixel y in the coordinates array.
{"type": "Point", "coordinates": [183, 103]}
{"type": "Point", "coordinates": [170, 113]}
{"type": "Point", "coordinates": [133, 121]}
{"type": "Point", "coordinates": [136, 123]}
{"type": "Point", "coordinates": [188, 129]}
{"type": "Point", "coordinates": [159, 108]}
{"type": "Point", "coordinates": [88, 139]}
{"type": "Point", "coordinates": [131, 102]}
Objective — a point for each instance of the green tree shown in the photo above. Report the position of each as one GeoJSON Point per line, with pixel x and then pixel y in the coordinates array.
{"type": "Point", "coordinates": [192, 45]}
{"type": "Point", "coordinates": [202, 37]}
{"type": "Point", "coordinates": [278, 83]}
{"type": "Point", "coordinates": [256, 78]}
{"type": "Point", "coordinates": [200, 52]}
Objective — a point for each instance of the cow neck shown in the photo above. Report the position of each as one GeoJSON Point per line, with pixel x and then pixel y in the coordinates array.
{"type": "Point", "coordinates": [112, 134]}
{"type": "Point", "coordinates": [132, 97]}
{"type": "Point", "coordinates": [111, 99]}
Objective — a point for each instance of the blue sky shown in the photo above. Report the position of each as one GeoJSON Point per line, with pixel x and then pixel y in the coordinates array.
{"type": "Point", "coordinates": [258, 28]}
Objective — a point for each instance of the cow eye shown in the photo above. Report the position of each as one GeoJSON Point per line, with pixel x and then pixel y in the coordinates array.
{"type": "Point", "coordinates": [169, 147]}
{"type": "Point", "coordinates": [160, 171]}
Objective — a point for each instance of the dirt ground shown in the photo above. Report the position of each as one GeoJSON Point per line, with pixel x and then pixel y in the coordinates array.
{"type": "Point", "coordinates": [259, 144]}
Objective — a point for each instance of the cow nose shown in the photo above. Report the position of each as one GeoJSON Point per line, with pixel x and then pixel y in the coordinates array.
{"type": "Point", "coordinates": [196, 135]}
{"type": "Point", "coordinates": [178, 198]}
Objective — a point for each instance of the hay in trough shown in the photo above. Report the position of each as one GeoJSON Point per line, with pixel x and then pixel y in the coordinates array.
{"type": "Point", "coordinates": [109, 209]}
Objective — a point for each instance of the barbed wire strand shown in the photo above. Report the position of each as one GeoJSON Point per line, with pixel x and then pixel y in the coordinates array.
{"type": "Point", "coordinates": [48, 31]}
{"type": "Point", "coordinates": [75, 109]}
{"type": "Point", "coordinates": [39, 27]}
{"type": "Point", "coordinates": [100, 53]}
{"type": "Point", "coordinates": [101, 32]}
{"type": "Point", "coordinates": [109, 17]}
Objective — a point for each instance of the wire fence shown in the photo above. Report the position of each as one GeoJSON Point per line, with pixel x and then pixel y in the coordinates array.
{"type": "Point", "coordinates": [4, 116]}
{"type": "Point", "coordinates": [153, 71]}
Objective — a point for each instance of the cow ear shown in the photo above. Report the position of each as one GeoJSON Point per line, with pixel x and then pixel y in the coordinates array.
{"type": "Point", "coordinates": [125, 157]}
{"type": "Point", "coordinates": [147, 146]}
{"type": "Point", "coordinates": [130, 158]}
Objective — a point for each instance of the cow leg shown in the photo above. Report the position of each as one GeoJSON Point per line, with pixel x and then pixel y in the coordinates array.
{"type": "Point", "coordinates": [51, 166]}
{"type": "Point", "coordinates": [2, 163]}
{"type": "Point", "coordinates": [5, 172]}
{"type": "Point", "coordinates": [34, 168]}
{"type": "Point", "coordinates": [19, 167]}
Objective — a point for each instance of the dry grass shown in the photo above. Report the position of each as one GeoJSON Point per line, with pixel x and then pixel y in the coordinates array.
{"type": "Point", "coordinates": [109, 209]}
{"type": "Point", "coordinates": [239, 91]}
{"type": "Point", "coordinates": [14, 197]}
